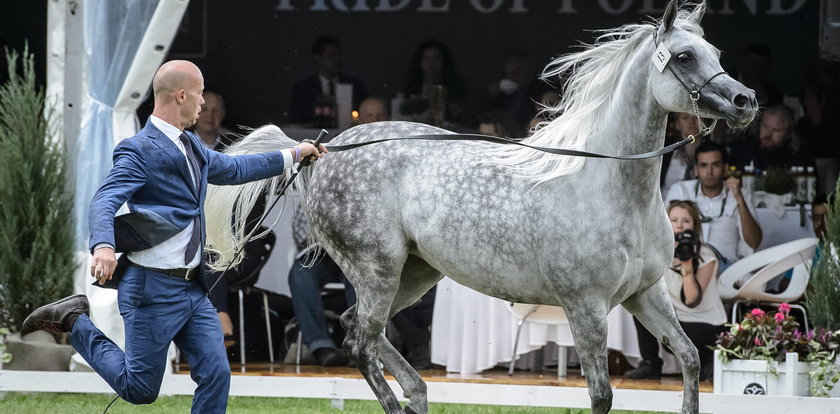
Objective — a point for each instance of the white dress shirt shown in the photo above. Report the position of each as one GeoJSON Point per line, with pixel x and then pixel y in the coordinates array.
{"type": "Point", "coordinates": [170, 253]}
{"type": "Point", "coordinates": [724, 231]}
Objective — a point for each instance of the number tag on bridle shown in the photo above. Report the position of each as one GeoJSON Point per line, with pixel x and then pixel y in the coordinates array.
{"type": "Point", "coordinates": [660, 57]}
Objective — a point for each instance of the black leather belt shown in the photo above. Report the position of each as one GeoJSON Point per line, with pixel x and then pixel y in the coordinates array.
{"type": "Point", "coordinates": [181, 273]}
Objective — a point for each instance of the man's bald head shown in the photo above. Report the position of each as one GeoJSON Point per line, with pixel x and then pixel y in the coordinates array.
{"type": "Point", "coordinates": [178, 86]}
{"type": "Point", "coordinates": [174, 75]}
{"type": "Point", "coordinates": [372, 110]}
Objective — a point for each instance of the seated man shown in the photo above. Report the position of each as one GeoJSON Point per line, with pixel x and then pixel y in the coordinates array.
{"type": "Point", "coordinates": [307, 92]}
{"type": "Point", "coordinates": [726, 214]}
{"type": "Point", "coordinates": [373, 110]}
{"type": "Point", "coordinates": [305, 284]}
{"type": "Point", "coordinates": [776, 146]}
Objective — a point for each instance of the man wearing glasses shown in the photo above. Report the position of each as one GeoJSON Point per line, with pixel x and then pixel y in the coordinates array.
{"type": "Point", "coordinates": [727, 215]}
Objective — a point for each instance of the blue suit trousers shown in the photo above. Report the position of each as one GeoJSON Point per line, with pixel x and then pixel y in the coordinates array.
{"type": "Point", "coordinates": [158, 309]}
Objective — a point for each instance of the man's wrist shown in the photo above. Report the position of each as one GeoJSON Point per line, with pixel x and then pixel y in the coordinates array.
{"type": "Point", "coordinates": [102, 245]}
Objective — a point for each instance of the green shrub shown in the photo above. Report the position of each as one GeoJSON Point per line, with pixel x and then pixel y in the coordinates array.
{"type": "Point", "coordinates": [36, 244]}
{"type": "Point", "coordinates": [822, 299]}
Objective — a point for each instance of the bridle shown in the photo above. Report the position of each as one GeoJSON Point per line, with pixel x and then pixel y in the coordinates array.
{"type": "Point", "coordinates": [693, 92]}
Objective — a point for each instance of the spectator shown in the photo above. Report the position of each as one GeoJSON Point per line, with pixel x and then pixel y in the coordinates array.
{"type": "Point", "coordinates": [692, 285]}
{"type": "Point", "coordinates": [432, 65]}
{"type": "Point", "coordinates": [754, 73]}
{"type": "Point", "coordinates": [726, 214]}
{"type": "Point", "coordinates": [209, 125]}
{"type": "Point", "coordinates": [373, 110]}
{"type": "Point", "coordinates": [679, 165]}
{"type": "Point", "coordinates": [819, 215]}
{"type": "Point", "coordinates": [516, 91]}
{"type": "Point", "coordinates": [307, 92]}
{"type": "Point", "coordinates": [776, 147]}
{"type": "Point", "coordinates": [819, 127]}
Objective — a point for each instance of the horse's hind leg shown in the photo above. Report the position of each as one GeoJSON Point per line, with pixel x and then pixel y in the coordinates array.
{"type": "Point", "coordinates": [588, 320]}
{"type": "Point", "coordinates": [653, 308]}
{"type": "Point", "coordinates": [376, 285]}
{"type": "Point", "coordinates": [416, 279]}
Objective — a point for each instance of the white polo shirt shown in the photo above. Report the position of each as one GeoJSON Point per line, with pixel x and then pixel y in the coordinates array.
{"type": "Point", "coordinates": [722, 228]}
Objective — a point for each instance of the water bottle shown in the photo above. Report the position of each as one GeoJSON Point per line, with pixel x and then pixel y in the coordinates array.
{"type": "Point", "coordinates": [759, 179]}
{"type": "Point", "coordinates": [801, 180]}
{"type": "Point", "coordinates": [811, 178]}
{"type": "Point", "coordinates": [748, 180]}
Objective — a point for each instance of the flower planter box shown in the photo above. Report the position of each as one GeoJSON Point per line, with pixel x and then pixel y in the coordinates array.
{"type": "Point", "coordinates": [754, 377]}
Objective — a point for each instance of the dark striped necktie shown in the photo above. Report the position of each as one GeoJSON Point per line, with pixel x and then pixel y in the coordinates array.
{"type": "Point", "coordinates": [192, 164]}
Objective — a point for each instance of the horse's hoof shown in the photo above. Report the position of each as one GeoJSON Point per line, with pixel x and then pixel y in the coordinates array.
{"type": "Point", "coordinates": [408, 410]}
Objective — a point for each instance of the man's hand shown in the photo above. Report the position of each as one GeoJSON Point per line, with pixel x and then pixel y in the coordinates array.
{"type": "Point", "coordinates": [307, 149]}
{"type": "Point", "coordinates": [733, 184]}
{"type": "Point", "coordinates": [103, 264]}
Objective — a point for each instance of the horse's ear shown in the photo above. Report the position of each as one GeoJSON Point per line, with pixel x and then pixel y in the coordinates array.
{"type": "Point", "coordinates": [670, 16]}
{"type": "Point", "coordinates": [698, 13]}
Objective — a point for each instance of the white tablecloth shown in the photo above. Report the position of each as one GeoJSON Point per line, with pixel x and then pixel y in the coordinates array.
{"type": "Point", "coordinates": [472, 332]}
{"type": "Point", "coordinates": [777, 230]}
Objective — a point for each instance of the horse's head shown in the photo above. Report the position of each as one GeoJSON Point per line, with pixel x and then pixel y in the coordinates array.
{"type": "Point", "coordinates": [693, 71]}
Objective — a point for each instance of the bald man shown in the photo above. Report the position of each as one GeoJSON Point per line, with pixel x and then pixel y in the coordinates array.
{"type": "Point", "coordinates": [373, 110]}
{"type": "Point", "coordinates": [162, 173]}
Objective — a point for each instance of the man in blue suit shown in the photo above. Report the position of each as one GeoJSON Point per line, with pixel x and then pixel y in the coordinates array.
{"type": "Point", "coordinates": [162, 172]}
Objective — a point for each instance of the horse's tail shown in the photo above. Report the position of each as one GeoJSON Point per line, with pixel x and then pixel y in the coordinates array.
{"type": "Point", "coordinates": [227, 207]}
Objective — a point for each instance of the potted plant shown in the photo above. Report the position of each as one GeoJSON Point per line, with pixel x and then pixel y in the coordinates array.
{"type": "Point", "coordinates": [767, 354]}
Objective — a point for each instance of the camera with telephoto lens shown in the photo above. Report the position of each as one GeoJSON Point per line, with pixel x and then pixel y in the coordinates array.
{"type": "Point", "coordinates": [688, 245]}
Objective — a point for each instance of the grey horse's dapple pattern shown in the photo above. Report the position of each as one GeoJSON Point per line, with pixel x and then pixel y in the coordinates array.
{"type": "Point", "coordinates": [396, 216]}
{"type": "Point", "coordinates": [525, 227]}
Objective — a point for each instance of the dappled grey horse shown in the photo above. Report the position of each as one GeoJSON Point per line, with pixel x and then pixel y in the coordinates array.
{"type": "Point", "coordinates": [519, 224]}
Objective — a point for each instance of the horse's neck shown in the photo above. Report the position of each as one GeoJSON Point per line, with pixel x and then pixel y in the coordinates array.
{"type": "Point", "coordinates": [635, 123]}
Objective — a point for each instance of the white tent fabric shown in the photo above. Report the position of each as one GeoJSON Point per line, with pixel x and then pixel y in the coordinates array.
{"type": "Point", "coordinates": [124, 44]}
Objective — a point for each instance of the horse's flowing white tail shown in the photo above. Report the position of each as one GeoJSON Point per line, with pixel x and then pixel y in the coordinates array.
{"type": "Point", "coordinates": [227, 207]}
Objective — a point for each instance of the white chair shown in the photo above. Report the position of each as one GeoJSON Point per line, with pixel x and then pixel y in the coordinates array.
{"type": "Point", "coordinates": [543, 314]}
{"type": "Point", "coordinates": [745, 279]}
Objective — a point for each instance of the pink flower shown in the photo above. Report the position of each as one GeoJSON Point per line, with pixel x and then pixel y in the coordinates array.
{"type": "Point", "coordinates": [757, 341]}
{"type": "Point", "coordinates": [784, 307]}
{"type": "Point", "coordinates": [757, 312]}
{"type": "Point", "coordinates": [780, 317]}
{"type": "Point", "coordinates": [797, 334]}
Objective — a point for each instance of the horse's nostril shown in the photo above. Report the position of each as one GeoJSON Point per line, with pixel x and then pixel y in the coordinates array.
{"type": "Point", "coordinates": [740, 101]}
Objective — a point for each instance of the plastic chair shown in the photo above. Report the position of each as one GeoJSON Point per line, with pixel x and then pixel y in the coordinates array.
{"type": "Point", "coordinates": [543, 314]}
{"type": "Point", "coordinates": [263, 247]}
{"type": "Point", "coordinates": [744, 280]}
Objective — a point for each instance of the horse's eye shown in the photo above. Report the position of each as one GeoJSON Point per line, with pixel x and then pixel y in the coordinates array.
{"type": "Point", "coordinates": [685, 57]}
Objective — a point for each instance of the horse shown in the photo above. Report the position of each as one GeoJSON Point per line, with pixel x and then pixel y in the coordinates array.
{"type": "Point", "coordinates": [518, 224]}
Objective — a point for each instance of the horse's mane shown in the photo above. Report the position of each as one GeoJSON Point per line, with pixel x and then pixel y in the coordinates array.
{"type": "Point", "coordinates": [593, 75]}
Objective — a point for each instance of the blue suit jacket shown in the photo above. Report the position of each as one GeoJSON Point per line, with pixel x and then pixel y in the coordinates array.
{"type": "Point", "coordinates": [151, 174]}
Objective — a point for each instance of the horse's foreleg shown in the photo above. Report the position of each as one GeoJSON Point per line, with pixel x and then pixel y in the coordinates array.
{"type": "Point", "coordinates": [588, 320]}
{"type": "Point", "coordinates": [652, 306]}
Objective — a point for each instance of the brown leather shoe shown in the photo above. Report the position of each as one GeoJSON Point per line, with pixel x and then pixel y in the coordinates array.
{"type": "Point", "coordinates": [55, 316]}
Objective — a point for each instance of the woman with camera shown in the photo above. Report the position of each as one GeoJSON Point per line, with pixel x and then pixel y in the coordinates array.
{"type": "Point", "coordinates": [692, 284]}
